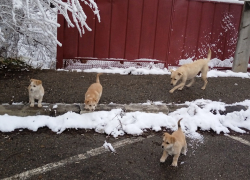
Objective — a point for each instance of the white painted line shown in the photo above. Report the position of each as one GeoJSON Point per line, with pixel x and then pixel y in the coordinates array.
{"type": "Point", "coordinates": [73, 159]}
{"type": "Point", "coordinates": [243, 141]}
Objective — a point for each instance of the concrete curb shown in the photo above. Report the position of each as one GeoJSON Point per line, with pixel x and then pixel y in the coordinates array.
{"type": "Point", "coordinates": [59, 109]}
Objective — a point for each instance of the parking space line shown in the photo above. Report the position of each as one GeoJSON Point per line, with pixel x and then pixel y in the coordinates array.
{"type": "Point", "coordinates": [77, 158]}
{"type": "Point", "coordinates": [243, 141]}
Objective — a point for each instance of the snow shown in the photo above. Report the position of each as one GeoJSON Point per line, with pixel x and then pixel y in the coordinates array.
{"type": "Point", "coordinates": [109, 147]}
{"type": "Point", "coordinates": [212, 63]}
{"type": "Point", "coordinates": [1, 36]}
{"type": "Point", "coordinates": [55, 106]}
{"type": "Point", "coordinates": [17, 4]}
{"type": "Point", "coordinates": [201, 113]}
{"type": "Point", "coordinates": [229, 1]}
{"type": "Point", "coordinates": [131, 70]}
{"type": "Point", "coordinates": [152, 69]}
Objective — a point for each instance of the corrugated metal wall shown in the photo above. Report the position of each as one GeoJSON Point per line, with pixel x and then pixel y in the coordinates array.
{"type": "Point", "coordinates": [167, 30]}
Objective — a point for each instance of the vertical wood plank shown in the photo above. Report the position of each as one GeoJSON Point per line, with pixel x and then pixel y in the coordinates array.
{"type": "Point", "coordinates": [219, 32]}
{"type": "Point", "coordinates": [232, 24]}
{"type": "Point", "coordinates": [102, 30]}
{"type": "Point", "coordinates": [135, 9]}
{"type": "Point", "coordinates": [87, 41]}
{"type": "Point", "coordinates": [205, 30]}
{"type": "Point", "coordinates": [118, 28]}
{"type": "Point", "coordinates": [192, 30]}
{"type": "Point", "coordinates": [148, 29]}
{"type": "Point", "coordinates": [70, 41]}
{"type": "Point", "coordinates": [162, 29]}
{"type": "Point", "coordinates": [178, 32]}
{"type": "Point", "coordinates": [60, 38]}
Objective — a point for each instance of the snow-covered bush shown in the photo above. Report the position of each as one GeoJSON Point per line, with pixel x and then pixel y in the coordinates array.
{"type": "Point", "coordinates": [28, 27]}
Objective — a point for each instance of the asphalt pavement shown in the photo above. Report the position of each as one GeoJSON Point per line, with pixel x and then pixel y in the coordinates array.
{"type": "Point", "coordinates": [79, 154]}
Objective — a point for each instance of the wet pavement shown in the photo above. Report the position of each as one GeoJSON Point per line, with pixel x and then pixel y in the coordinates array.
{"type": "Point", "coordinates": [215, 157]}
{"type": "Point", "coordinates": [79, 154]}
{"type": "Point", "coordinates": [70, 87]}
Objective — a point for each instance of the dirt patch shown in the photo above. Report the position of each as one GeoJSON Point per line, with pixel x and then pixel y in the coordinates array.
{"type": "Point", "coordinates": [70, 87]}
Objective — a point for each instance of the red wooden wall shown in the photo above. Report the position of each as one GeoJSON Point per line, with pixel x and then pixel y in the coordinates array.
{"type": "Point", "coordinates": [166, 30]}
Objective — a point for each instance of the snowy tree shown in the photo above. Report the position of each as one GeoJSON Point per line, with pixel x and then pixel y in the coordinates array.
{"type": "Point", "coordinates": [28, 27]}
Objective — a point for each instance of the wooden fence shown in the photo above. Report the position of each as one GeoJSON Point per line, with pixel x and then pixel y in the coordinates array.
{"type": "Point", "coordinates": [165, 30]}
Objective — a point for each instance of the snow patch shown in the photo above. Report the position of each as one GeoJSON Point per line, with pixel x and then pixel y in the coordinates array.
{"type": "Point", "coordinates": [202, 114]}
{"type": "Point", "coordinates": [109, 147]}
